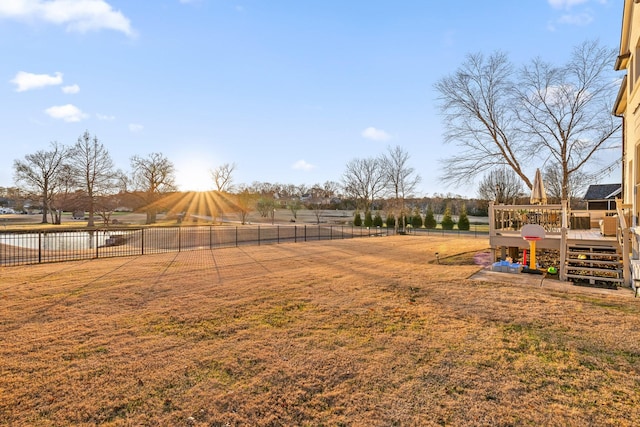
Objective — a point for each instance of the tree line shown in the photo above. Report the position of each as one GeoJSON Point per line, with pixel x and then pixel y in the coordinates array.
{"type": "Point", "coordinates": [62, 173]}
{"type": "Point", "coordinates": [84, 177]}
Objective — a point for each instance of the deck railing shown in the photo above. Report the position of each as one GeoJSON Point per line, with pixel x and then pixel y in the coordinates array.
{"type": "Point", "coordinates": [513, 217]}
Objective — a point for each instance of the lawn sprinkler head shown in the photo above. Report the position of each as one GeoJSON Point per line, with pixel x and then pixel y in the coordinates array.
{"type": "Point", "coordinates": [437, 257]}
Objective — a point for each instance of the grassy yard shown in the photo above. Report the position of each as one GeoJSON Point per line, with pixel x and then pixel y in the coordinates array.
{"type": "Point", "coordinates": [355, 332]}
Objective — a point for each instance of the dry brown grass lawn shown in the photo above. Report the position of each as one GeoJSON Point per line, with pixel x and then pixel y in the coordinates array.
{"type": "Point", "coordinates": [356, 332]}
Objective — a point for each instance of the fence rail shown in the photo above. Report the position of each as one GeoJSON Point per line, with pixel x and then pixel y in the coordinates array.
{"type": "Point", "coordinates": [44, 246]}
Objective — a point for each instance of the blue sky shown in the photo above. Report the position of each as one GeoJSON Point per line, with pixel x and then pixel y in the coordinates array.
{"type": "Point", "coordinates": [289, 90]}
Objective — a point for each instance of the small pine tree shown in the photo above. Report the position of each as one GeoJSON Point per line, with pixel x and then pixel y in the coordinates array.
{"type": "Point", "coordinates": [357, 220]}
{"type": "Point", "coordinates": [391, 220]}
{"type": "Point", "coordinates": [368, 219]}
{"type": "Point", "coordinates": [463, 219]}
{"type": "Point", "coordinates": [377, 220]}
{"type": "Point", "coordinates": [416, 218]}
{"type": "Point", "coordinates": [430, 219]}
{"type": "Point", "coordinates": [447, 221]}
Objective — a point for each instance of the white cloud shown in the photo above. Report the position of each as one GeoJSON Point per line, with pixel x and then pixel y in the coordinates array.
{"type": "Point", "coordinates": [105, 117]}
{"type": "Point", "coordinates": [68, 113]}
{"type": "Point", "coordinates": [135, 127]}
{"type": "Point", "coordinates": [375, 134]}
{"type": "Point", "coordinates": [71, 89]}
{"type": "Point", "coordinates": [565, 4]}
{"type": "Point", "coordinates": [576, 19]}
{"type": "Point", "coordinates": [77, 15]}
{"type": "Point", "coordinates": [27, 81]}
{"type": "Point", "coordinates": [303, 165]}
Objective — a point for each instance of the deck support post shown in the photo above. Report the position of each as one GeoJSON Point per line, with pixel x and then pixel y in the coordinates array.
{"type": "Point", "coordinates": [626, 263]}
{"type": "Point", "coordinates": [564, 232]}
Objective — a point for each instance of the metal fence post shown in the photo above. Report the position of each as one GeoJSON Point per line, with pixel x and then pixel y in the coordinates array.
{"type": "Point", "coordinates": [305, 232]}
{"type": "Point", "coordinates": [258, 235]}
{"type": "Point", "coordinates": [295, 234]}
{"type": "Point", "coordinates": [278, 233]}
{"type": "Point", "coordinates": [39, 247]}
{"type": "Point", "coordinates": [179, 238]}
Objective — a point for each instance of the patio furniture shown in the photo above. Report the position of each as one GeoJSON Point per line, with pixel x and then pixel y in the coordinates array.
{"type": "Point", "coordinates": [609, 225]}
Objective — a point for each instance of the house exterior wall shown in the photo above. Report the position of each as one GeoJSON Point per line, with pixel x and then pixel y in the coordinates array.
{"type": "Point", "coordinates": [628, 104]}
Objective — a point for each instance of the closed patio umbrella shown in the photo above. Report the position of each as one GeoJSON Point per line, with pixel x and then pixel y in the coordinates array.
{"type": "Point", "coordinates": [538, 195]}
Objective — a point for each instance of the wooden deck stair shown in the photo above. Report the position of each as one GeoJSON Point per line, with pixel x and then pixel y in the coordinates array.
{"type": "Point", "coordinates": [595, 263]}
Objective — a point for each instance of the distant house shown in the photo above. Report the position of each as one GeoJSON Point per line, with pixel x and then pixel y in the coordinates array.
{"type": "Point", "coordinates": [602, 197]}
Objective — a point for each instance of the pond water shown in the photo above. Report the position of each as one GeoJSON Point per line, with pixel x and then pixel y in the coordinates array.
{"type": "Point", "coordinates": [64, 240]}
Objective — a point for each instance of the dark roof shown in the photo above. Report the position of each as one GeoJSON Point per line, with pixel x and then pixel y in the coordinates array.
{"type": "Point", "coordinates": [603, 191]}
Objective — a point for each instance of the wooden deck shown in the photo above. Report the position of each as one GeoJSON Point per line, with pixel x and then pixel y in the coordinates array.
{"type": "Point", "coordinates": [564, 230]}
{"type": "Point", "coordinates": [592, 234]}
{"type": "Point", "coordinates": [506, 238]}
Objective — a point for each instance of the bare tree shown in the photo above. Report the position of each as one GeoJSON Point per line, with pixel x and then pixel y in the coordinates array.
{"type": "Point", "coordinates": [320, 198]}
{"type": "Point", "coordinates": [364, 180]}
{"type": "Point", "coordinates": [153, 176]}
{"type": "Point", "coordinates": [93, 170]}
{"type": "Point", "coordinates": [294, 205]}
{"type": "Point", "coordinates": [302, 189]}
{"type": "Point", "coordinates": [245, 203]}
{"type": "Point", "coordinates": [553, 181]}
{"type": "Point", "coordinates": [330, 189]}
{"type": "Point", "coordinates": [41, 173]}
{"type": "Point", "coordinates": [223, 177]}
{"type": "Point", "coordinates": [105, 206]}
{"type": "Point", "coordinates": [499, 116]}
{"type": "Point", "coordinates": [401, 178]}
{"type": "Point", "coordinates": [501, 185]}
{"type": "Point", "coordinates": [266, 206]}
{"type": "Point", "coordinates": [289, 191]}
{"type": "Point", "coordinates": [476, 103]}
{"type": "Point", "coordinates": [66, 192]}
{"type": "Point", "coordinates": [566, 111]}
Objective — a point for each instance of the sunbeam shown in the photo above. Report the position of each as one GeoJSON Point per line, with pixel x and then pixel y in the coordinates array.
{"type": "Point", "coordinates": [209, 206]}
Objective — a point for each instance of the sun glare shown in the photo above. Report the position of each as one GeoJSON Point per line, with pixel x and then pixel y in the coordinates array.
{"type": "Point", "coordinates": [193, 175]}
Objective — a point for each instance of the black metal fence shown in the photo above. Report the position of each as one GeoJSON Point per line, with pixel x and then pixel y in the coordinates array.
{"type": "Point", "coordinates": [41, 246]}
